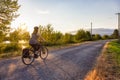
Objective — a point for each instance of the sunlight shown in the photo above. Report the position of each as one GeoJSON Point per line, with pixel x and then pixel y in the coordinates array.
{"type": "Point", "coordinates": [50, 56]}
{"type": "Point", "coordinates": [23, 46]}
{"type": "Point", "coordinates": [22, 41]}
{"type": "Point", "coordinates": [7, 42]}
{"type": "Point", "coordinates": [23, 26]}
{"type": "Point", "coordinates": [11, 68]}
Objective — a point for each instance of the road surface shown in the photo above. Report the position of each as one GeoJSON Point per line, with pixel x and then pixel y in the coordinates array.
{"type": "Point", "coordinates": [65, 64]}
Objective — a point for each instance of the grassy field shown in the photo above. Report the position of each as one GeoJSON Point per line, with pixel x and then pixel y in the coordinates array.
{"type": "Point", "coordinates": [108, 63]}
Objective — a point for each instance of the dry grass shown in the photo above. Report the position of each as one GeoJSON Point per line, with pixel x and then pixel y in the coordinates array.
{"type": "Point", "coordinates": [10, 54]}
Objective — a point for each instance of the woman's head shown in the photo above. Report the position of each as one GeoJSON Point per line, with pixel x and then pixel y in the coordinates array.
{"type": "Point", "coordinates": [35, 29]}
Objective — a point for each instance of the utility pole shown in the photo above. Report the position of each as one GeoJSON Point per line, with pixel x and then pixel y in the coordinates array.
{"type": "Point", "coordinates": [118, 26]}
{"type": "Point", "coordinates": [91, 30]}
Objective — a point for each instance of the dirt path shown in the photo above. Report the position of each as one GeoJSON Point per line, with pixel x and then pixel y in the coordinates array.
{"type": "Point", "coordinates": [65, 64]}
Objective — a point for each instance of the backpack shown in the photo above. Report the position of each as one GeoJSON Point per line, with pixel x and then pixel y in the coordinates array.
{"type": "Point", "coordinates": [25, 53]}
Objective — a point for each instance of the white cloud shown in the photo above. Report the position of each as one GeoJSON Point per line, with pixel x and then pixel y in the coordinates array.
{"type": "Point", "coordinates": [43, 12]}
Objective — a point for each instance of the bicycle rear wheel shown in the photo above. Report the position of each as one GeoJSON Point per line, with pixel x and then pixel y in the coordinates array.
{"type": "Point", "coordinates": [44, 53]}
{"type": "Point", "coordinates": [28, 57]}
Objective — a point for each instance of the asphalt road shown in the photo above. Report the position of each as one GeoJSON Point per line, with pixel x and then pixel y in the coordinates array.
{"type": "Point", "coordinates": [65, 64]}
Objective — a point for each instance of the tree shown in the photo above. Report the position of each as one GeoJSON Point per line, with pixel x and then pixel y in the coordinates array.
{"type": "Point", "coordinates": [97, 37]}
{"type": "Point", "coordinates": [80, 35]}
{"type": "Point", "coordinates": [67, 38]}
{"type": "Point", "coordinates": [115, 34]}
{"type": "Point", "coordinates": [105, 37]}
{"type": "Point", "coordinates": [14, 36]}
{"type": "Point", "coordinates": [2, 36]}
{"type": "Point", "coordinates": [8, 13]}
{"type": "Point", "coordinates": [46, 32]}
{"type": "Point", "coordinates": [19, 34]}
{"type": "Point", "coordinates": [56, 37]}
{"type": "Point", "coordinates": [88, 36]}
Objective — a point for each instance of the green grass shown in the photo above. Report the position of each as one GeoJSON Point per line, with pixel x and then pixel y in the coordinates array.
{"type": "Point", "coordinates": [114, 49]}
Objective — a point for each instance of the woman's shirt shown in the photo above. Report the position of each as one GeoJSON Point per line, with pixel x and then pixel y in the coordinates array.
{"type": "Point", "coordinates": [34, 39]}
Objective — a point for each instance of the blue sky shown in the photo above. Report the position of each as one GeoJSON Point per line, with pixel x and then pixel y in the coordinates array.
{"type": "Point", "coordinates": [68, 15]}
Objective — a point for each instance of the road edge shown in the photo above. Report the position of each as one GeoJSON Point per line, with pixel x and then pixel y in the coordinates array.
{"type": "Point", "coordinates": [94, 73]}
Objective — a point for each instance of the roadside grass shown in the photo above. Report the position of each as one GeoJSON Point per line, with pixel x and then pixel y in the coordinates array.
{"type": "Point", "coordinates": [10, 54]}
{"type": "Point", "coordinates": [114, 49]}
{"type": "Point", "coordinates": [108, 64]}
{"type": "Point", "coordinates": [10, 50]}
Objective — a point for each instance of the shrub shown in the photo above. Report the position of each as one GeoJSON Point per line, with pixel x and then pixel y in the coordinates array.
{"type": "Point", "coordinates": [12, 47]}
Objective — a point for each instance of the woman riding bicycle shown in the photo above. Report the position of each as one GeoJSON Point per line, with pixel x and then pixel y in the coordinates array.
{"type": "Point", "coordinates": [34, 40]}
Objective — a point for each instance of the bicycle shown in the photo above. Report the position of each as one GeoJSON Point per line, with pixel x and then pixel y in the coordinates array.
{"type": "Point", "coordinates": [29, 55]}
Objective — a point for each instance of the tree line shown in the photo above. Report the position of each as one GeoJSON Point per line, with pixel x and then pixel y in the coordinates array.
{"type": "Point", "coordinates": [53, 37]}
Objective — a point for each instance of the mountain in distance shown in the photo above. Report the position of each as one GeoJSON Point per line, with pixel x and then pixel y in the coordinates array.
{"type": "Point", "coordinates": [102, 31]}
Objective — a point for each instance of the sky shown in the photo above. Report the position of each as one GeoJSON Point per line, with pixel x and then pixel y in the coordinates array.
{"type": "Point", "coordinates": [67, 15]}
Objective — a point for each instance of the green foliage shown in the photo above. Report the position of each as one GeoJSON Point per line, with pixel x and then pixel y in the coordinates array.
{"type": "Point", "coordinates": [8, 10]}
{"type": "Point", "coordinates": [52, 37]}
{"type": "Point", "coordinates": [2, 36]}
{"type": "Point", "coordinates": [19, 34]}
{"type": "Point", "coordinates": [80, 35]}
{"type": "Point", "coordinates": [67, 38]}
{"type": "Point", "coordinates": [97, 37]}
{"type": "Point", "coordinates": [46, 32]}
{"type": "Point", "coordinates": [56, 38]}
{"type": "Point", "coordinates": [114, 47]}
{"type": "Point", "coordinates": [11, 47]}
{"type": "Point", "coordinates": [14, 37]}
{"type": "Point", "coordinates": [105, 37]}
{"type": "Point", "coordinates": [115, 34]}
{"type": "Point", "coordinates": [88, 36]}
{"type": "Point", "coordinates": [25, 36]}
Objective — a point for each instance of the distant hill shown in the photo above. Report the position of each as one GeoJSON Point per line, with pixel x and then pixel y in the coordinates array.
{"type": "Point", "coordinates": [102, 31]}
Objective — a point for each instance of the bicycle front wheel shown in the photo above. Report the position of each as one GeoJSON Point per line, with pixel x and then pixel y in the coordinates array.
{"type": "Point", "coordinates": [44, 53]}
{"type": "Point", "coordinates": [29, 58]}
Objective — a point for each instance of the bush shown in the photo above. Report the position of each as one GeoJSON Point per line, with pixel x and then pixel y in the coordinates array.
{"type": "Point", "coordinates": [12, 47]}
{"type": "Point", "coordinates": [2, 47]}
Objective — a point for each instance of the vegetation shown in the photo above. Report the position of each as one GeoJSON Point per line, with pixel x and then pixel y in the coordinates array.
{"type": "Point", "coordinates": [97, 37]}
{"type": "Point", "coordinates": [105, 37]}
{"type": "Point", "coordinates": [115, 34]}
{"type": "Point", "coordinates": [19, 34]}
{"type": "Point", "coordinates": [53, 38]}
{"type": "Point", "coordinates": [8, 10]}
{"type": "Point", "coordinates": [114, 47]}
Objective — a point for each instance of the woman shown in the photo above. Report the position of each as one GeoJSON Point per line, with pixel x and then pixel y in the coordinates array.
{"type": "Point", "coordinates": [34, 40]}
